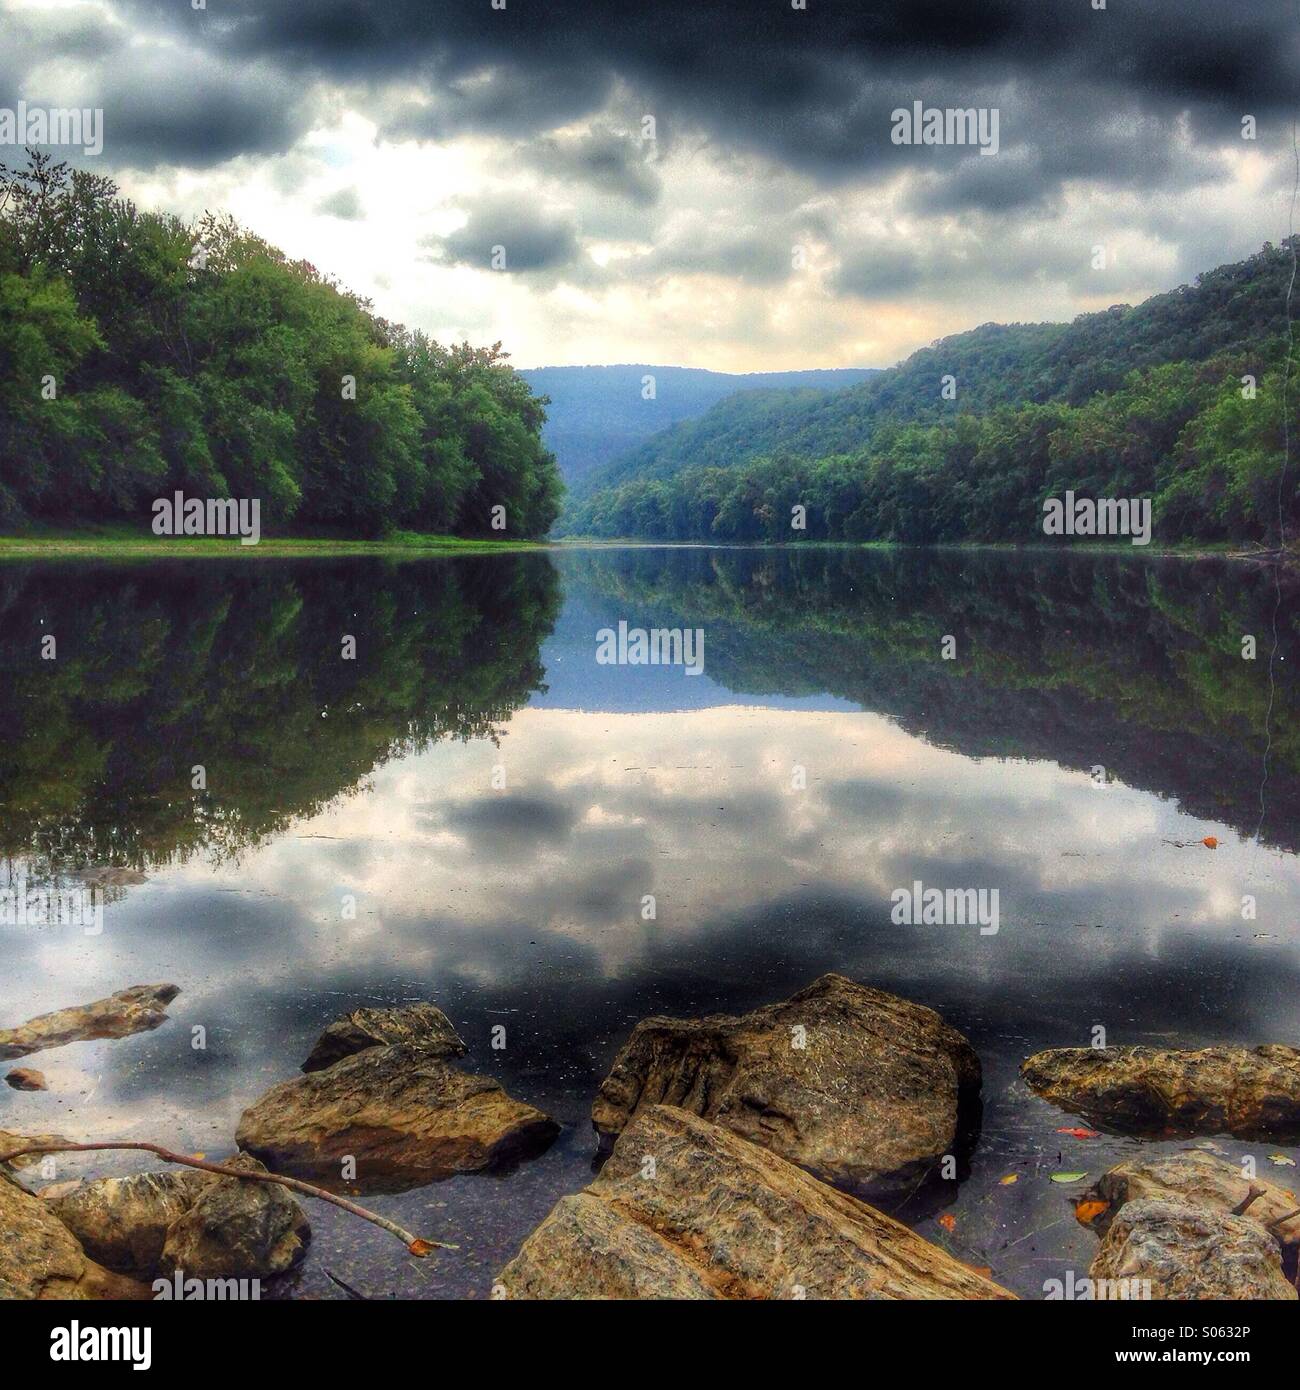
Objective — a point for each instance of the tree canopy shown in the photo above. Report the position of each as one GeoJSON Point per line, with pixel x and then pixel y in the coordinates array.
{"type": "Point", "coordinates": [140, 354]}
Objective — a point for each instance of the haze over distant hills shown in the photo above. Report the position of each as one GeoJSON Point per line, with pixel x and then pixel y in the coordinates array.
{"type": "Point", "coordinates": [598, 413]}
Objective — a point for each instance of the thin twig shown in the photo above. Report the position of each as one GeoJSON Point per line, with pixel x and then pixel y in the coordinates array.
{"type": "Point", "coordinates": [1251, 1196]}
{"type": "Point", "coordinates": [415, 1244]}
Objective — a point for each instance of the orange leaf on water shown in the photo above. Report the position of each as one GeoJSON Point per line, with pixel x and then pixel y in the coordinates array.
{"type": "Point", "coordinates": [420, 1247]}
{"type": "Point", "coordinates": [1087, 1211]}
{"type": "Point", "coordinates": [948, 1221]}
{"type": "Point", "coordinates": [1009, 1179]}
{"type": "Point", "coordinates": [1081, 1133]}
{"type": "Point", "coordinates": [1210, 842]}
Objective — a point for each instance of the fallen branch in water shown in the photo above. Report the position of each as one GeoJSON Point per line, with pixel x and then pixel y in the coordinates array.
{"type": "Point", "coordinates": [415, 1244]}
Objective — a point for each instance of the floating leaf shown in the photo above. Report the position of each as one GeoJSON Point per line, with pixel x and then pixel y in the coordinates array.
{"type": "Point", "coordinates": [1009, 1179]}
{"type": "Point", "coordinates": [1088, 1209]}
{"type": "Point", "coordinates": [1281, 1160]}
{"type": "Point", "coordinates": [1081, 1133]}
{"type": "Point", "coordinates": [1068, 1177]}
{"type": "Point", "coordinates": [1210, 842]}
{"type": "Point", "coordinates": [948, 1221]}
{"type": "Point", "coordinates": [420, 1247]}
{"type": "Point", "coordinates": [200, 1157]}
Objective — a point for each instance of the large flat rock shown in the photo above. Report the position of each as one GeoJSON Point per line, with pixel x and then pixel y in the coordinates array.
{"type": "Point", "coordinates": [134, 1010]}
{"type": "Point", "coordinates": [422, 1025]}
{"type": "Point", "coordinates": [405, 1116]}
{"type": "Point", "coordinates": [1250, 1092]}
{"type": "Point", "coordinates": [40, 1258]}
{"type": "Point", "coordinates": [858, 1086]}
{"type": "Point", "coordinates": [686, 1209]}
{"type": "Point", "coordinates": [1177, 1250]}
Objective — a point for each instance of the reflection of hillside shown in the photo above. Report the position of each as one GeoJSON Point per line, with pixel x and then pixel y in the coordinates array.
{"type": "Point", "coordinates": [239, 668]}
{"type": "Point", "coordinates": [1131, 663]}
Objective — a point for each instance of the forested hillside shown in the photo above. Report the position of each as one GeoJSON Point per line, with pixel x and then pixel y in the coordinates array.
{"type": "Point", "coordinates": [1178, 399]}
{"type": "Point", "coordinates": [140, 354]}
{"type": "Point", "coordinates": [595, 414]}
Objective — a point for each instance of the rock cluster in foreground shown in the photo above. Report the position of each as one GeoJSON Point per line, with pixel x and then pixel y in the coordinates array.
{"type": "Point", "coordinates": [399, 1109]}
{"type": "Point", "coordinates": [1188, 1225]}
{"type": "Point", "coordinates": [205, 1226]}
{"type": "Point", "coordinates": [1191, 1175]}
{"type": "Point", "coordinates": [134, 1010]}
{"type": "Point", "coordinates": [1185, 1251]}
{"type": "Point", "coordinates": [1249, 1092]}
{"type": "Point", "coordinates": [860, 1087]}
{"type": "Point", "coordinates": [684, 1208]}
{"type": "Point", "coordinates": [41, 1258]}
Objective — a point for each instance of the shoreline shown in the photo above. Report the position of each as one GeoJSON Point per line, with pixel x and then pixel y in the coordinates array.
{"type": "Point", "coordinates": [142, 547]}
{"type": "Point", "coordinates": [1190, 550]}
{"type": "Point", "coordinates": [134, 546]}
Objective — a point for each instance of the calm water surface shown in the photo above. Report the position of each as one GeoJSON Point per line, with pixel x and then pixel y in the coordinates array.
{"type": "Point", "coordinates": [374, 780]}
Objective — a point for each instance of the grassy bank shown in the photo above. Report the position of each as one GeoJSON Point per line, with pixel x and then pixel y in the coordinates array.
{"type": "Point", "coordinates": [122, 543]}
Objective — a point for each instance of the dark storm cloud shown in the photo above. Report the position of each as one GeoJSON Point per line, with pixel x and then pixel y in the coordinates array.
{"type": "Point", "coordinates": [163, 103]}
{"type": "Point", "coordinates": [516, 822]}
{"type": "Point", "coordinates": [82, 31]}
{"type": "Point", "coordinates": [607, 160]}
{"type": "Point", "coordinates": [344, 204]}
{"type": "Point", "coordinates": [812, 89]}
{"type": "Point", "coordinates": [509, 100]}
{"type": "Point", "coordinates": [532, 239]}
{"type": "Point", "coordinates": [878, 272]}
{"type": "Point", "coordinates": [760, 256]}
{"type": "Point", "coordinates": [163, 107]}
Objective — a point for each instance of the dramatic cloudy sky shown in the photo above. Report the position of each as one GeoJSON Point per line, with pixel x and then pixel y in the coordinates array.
{"type": "Point", "coordinates": [394, 144]}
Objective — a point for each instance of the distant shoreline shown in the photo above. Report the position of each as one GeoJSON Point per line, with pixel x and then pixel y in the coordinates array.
{"type": "Point", "coordinates": [1182, 550]}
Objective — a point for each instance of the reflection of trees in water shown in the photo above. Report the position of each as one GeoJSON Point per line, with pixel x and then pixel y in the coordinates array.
{"type": "Point", "coordinates": [1084, 659]}
{"type": "Point", "coordinates": [239, 668]}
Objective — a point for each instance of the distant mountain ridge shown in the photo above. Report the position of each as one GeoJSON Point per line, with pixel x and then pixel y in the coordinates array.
{"type": "Point", "coordinates": [600, 412]}
{"type": "Point", "coordinates": [1181, 400]}
{"type": "Point", "coordinates": [1227, 310]}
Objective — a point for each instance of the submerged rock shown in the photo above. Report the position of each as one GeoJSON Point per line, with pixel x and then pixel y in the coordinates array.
{"type": "Point", "coordinates": [11, 1143]}
{"type": "Point", "coordinates": [206, 1226]}
{"type": "Point", "coordinates": [26, 1079]}
{"type": "Point", "coordinates": [40, 1257]}
{"type": "Point", "coordinates": [858, 1086]}
{"type": "Point", "coordinates": [422, 1025]}
{"type": "Point", "coordinates": [406, 1117]}
{"type": "Point", "coordinates": [134, 1010]}
{"type": "Point", "coordinates": [1249, 1092]}
{"type": "Point", "coordinates": [1195, 1177]}
{"type": "Point", "coordinates": [1185, 1251]}
{"type": "Point", "coordinates": [686, 1209]}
